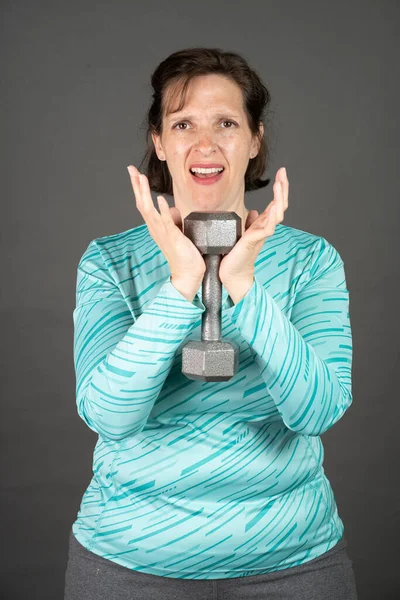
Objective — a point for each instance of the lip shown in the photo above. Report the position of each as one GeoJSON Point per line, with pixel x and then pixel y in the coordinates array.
{"type": "Point", "coordinates": [206, 166]}
{"type": "Point", "coordinates": [208, 180]}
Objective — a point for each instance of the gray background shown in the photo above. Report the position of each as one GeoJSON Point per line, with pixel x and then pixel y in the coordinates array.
{"type": "Point", "coordinates": [75, 88]}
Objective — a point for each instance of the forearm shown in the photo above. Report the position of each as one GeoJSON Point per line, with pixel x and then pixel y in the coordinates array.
{"type": "Point", "coordinates": [310, 393]}
{"type": "Point", "coordinates": [118, 396]}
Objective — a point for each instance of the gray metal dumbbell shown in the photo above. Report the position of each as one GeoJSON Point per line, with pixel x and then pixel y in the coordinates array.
{"type": "Point", "coordinates": [214, 234]}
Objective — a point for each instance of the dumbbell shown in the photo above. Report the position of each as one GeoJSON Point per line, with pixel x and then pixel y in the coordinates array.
{"type": "Point", "coordinates": [210, 359]}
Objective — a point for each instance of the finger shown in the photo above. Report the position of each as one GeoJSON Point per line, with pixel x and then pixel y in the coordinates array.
{"type": "Point", "coordinates": [165, 211]}
{"type": "Point", "coordinates": [134, 176]}
{"type": "Point", "coordinates": [278, 198]}
{"type": "Point", "coordinates": [176, 216]}
{"type": "Point", "coordinates": [286, 194]}
{"type": "Point", "coordinates": [278, 193]}
{"type": "Point", "coordinates": [271, 221]}
{"type": "Point", "coordinates": [147, 200]}
{"type": "Point", "coordinates": [262, 224]}
{"type": "Point", "coordinates": [264, 229]}
{"type": "Point", "coordinates": [280, 208]}
{"type": "Point", "coordinates": [143, 197]}
{"type": "Point", "coordinates": [285, 185]}
{"type": "Point", "coordinates": [265, 216]}
{"type": "Point", "coordinates": [144, 203]}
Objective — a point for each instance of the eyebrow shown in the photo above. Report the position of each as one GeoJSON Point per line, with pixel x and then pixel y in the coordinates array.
{"type": "Point", "coordinates": [192, 117]}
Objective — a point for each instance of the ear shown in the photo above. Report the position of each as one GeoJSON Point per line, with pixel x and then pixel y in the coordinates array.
{"type": "Point", "coordinates": [157, 145]}
{"type": "Point", "coordinates": [256, 140]}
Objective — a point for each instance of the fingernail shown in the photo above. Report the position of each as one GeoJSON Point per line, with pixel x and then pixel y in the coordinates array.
{"type": "Point", "coordinates": [129, 170]}
{"type": "Point", "coordinates": [284, 170]}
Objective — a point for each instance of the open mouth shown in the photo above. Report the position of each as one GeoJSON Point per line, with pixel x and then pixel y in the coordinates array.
{"type": "Point", "coordinates": [206, 178]}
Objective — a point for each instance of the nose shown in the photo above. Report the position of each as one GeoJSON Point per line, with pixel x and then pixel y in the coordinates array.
{"type": "Point", "coordinates": [205, 145]}
{"type": "Point", "coordinates": [206, 140]}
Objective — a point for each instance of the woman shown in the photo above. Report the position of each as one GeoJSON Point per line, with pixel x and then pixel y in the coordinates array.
{"type": "Point", "coordinates": [202, 488]}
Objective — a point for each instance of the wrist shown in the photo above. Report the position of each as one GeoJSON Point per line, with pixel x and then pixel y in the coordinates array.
{"type": "Point", "coordinates": [239, 287]}
{"type": "Point", "coordinates": [187, 287]}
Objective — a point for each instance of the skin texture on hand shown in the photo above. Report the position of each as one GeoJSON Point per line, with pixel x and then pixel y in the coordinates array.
{"type": "Point", "coordinates": [238, 264]}
{"type": "Point", "coordinates": [165, 227]}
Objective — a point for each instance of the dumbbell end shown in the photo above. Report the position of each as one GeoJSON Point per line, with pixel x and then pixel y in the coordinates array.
{"type": "Point", "coordinates": [210, 361]}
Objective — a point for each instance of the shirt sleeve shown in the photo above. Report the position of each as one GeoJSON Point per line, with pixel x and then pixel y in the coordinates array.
{"type": "Point", "coordinates": [121, 362]}
{"type": "Point", "coordinates": [305, 361]}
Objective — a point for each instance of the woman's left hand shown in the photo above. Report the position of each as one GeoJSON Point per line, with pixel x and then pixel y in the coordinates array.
{"type": "Point", "coordinates": [239, 262]}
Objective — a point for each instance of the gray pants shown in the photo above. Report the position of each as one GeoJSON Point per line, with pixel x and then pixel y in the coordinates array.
{"type": "Point", "coordinates": [327, 577]}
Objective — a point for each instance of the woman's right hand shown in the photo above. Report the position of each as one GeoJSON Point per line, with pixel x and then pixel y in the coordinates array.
{"type": "Point", "coordinates": [185, 260]}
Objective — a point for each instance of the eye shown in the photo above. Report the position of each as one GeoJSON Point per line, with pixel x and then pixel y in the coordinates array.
{"type": "Point", "coordinates": [180, 123]}
{"type": "Point", "coordinates": [229, 122]}
{"type": "Point", "coordinates": [176, 126]}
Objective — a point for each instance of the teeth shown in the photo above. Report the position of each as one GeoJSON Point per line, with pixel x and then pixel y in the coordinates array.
{"type": "Point", "coordinates": [212, 170]}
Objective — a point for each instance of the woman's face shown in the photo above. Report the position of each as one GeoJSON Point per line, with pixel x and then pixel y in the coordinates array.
{"type": "Point", "coordinates": [211, 128]}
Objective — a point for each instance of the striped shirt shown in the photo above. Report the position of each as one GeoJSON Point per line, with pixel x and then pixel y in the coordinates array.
{"type": "Point", "coordinates": [209, 480]}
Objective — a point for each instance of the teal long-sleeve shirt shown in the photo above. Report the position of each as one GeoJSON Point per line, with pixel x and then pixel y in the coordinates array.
{"type": "Point", "coordinates": [209, 480]}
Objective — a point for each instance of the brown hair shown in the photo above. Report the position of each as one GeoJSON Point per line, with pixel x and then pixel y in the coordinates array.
{"type": "Point", "coordinates": [175, 73]}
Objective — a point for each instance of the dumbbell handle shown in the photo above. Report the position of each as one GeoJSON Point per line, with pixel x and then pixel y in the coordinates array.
{"type": "Point", "coordinates": [212, 299]}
